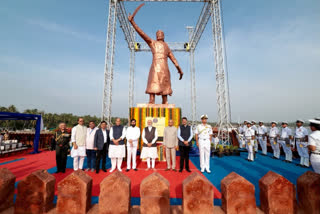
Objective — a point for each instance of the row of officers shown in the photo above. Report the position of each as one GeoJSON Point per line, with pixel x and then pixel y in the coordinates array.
{"type": "Point", "coordinates": [96, 143]}
{"type": "Point", "coordinates": [250, 135]}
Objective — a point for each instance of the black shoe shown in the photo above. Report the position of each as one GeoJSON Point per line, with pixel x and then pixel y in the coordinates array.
{"type": "Point", "coordinates": [104, 170]}
{"type": "Point", "coordinates": [63, 171]}
{"type": "Point", "coordinates": [97, 171]}
{"type": "Point", "coordinates": [297, 164]}
{"type": "Point", "coordinates": [127, 170]}
{"type": "Point", "coordinates": [188, 170]}
{"type": "Point", "coordinates": [180, 170]}
{"type": "Point", "coordinates": [56, 172]}
{"type": "Point", "coordinates": [135, 169]}
{"type": "Point", "coordinates": [274, 157]}
{"type": "Point", "coordinates": [289, 161]}
{"type": "Point", "coordinates": [284, 160]}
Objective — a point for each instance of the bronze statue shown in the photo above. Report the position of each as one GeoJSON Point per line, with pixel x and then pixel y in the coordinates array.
{"type": "Point", "coordinates": [159, 76]}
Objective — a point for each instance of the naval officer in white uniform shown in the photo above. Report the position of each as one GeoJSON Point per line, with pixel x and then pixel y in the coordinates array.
{"type": "Point", "coordinates": [203, 138]}
{"type": "Point", "coordinates": [273, 137]}
{"type": "Point", "coordinates": [301, 139]}
{"type": "Point", "coordinates": [286, 141]}
{"type": "Point", "coordinates": [262, 137]}
{"type": "Point", "coordinates": [255, 129]}
{"type": "Point", "coordinates": [314, 144]}
{"type": "Point", "coordinates": [250, 137]}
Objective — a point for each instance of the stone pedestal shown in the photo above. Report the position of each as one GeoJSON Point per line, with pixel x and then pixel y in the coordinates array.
{"type": "Point", "coordinates": [115, 194]}
{"type": "Point", "coordinates": [35, 193]}
{"type": "Point", "coordinates": [155, 195]}
{"type": "Point", "coordinates": [308, 187]}
{"type": "Point", "coordinates": [7, 180]}
{"type": "Point", "coordinates": [74, 193]}
{"type": "Point", "coordinates": [197, 194]}
{"type": "Point", "coordinates": [237, 195]}
{"type": "Point", "coordinates": [277, 194]}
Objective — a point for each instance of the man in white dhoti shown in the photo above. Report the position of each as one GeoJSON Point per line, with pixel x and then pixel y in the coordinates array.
{"type": "Point", "coordinates": [149, 150]}
{"type": "Point", "coordinates": [117, 150]}
{"type": "Point", "coordinates": [132, 135]}
{"type": "Point", "coordinates": [78, 139]}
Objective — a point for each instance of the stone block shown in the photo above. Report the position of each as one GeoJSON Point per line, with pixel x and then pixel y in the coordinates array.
{"type": "Point", "coordinates": [74, 193]}
{"type": "Point", "coordinates": [155, 195]}
{"type": "Point", "coordinates": [7, 180]}
{"type": "Point", "coordinates": [197, 194]}
{"type": "Point", "coordinates": [35, 193]}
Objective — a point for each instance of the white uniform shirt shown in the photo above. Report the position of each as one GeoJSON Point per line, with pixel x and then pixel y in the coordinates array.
{"type": "Point", "coordinates": [244, 128]}
{"type": "Point", "coordinates": [249, 133]}
{"type": "Point", "coordinates": [274, 132]}
{"type": "Point", "coordinates": [155, 137]}
{"type": "Point", "coordinates": [262, 130]}
{"type": "Point", "coordinates": [204, 131]}
{"type": "Point", "coordinates": [301, 132]}
{"type": "Point", "coordinates": [254, 128]}
{"type": "Point", "coordinates": [133, 133]}
{"type": "Point", "coordinates": [240, 129]}
{"type": "Point", "coordinates": [122, 136]}
{"type": "Point", "coordinates": [314, 140]}
{"type": "Point", "coordinates": [286, 132]}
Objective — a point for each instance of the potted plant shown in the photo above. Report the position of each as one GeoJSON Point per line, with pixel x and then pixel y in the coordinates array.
{"type": "Point", "coordinates": [227, 150]}
{"type": "Point", "coordinates": [231, 149]}
{"type": "Point", "coordinates": [236, 151]}
{"type": "Point", "coordinates": [220, 151]}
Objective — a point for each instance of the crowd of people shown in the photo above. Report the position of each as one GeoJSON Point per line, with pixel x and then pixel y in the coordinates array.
{"type": "Point", "coordinates": [117, 141]}
{"type": "Point", "coordinates": [250, 135]}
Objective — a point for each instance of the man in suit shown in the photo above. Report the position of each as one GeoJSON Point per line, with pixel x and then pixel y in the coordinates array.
{"type": "Point", "coordinates": [185, 136]}
{"type": "Point", "coordinates": [101, 144]}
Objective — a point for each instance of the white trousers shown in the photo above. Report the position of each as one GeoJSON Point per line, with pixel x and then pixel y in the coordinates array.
{"type": "Point", "coordinates": [286, 150]}
{"type": "Point", "coordinates": [241, 141]}
{"type": "Point", "coordinates": [78, 162]}
{"type": "Point", "coordinates": [263, 143]}
{"type": "Point", "coordinates": [250, 145]}
{"type": "Point", "coordinates": [275, 148]}
{"type": "Point", "coordinates": [131, 152]}
{"type": "Point", "coordinates": [315, 162]}
{"type": "Point", "coordinates": [303, 152]}
{"type": "Point", "coordinates": [204, 148]}
{"type": "Point", "coordinates": [116, 162]}
{"type": "Point", "coordinates": [256, 145]}
{"type": "Point", "coordinates": [153, 162]}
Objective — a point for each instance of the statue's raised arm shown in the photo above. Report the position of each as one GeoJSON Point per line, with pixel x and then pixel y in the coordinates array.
{"type": "Point", "coordinates": [143, 35]}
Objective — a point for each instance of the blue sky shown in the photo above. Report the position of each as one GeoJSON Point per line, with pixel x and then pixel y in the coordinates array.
{"type": "Point", "coordinates": [52, 57]}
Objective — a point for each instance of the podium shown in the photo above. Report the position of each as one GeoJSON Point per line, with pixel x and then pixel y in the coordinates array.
{"type": "Point", "coordinates": [160, 114]}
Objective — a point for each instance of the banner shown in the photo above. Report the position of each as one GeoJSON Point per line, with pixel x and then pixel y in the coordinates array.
{"type": "Point", "coordinates": [158, 122]}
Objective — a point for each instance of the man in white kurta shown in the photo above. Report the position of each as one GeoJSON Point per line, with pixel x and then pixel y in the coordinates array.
{"type": "Point", "coordinates": [301, 139]}
{"type": "Point", "coordinates": [117, 149]}
{"type": "Point", "coordinates": [203, 138]}
{"type": "Point", "coordinates": [285, 141]}
{"type": "Point", "coordinates": [78, 139]}
{"type": "Point", "coordinates": [262, 132]}
{"type": "Point", "coordinates": [132, 135]}
{"type": "Point", "coordinates": [273, 137]}
{"type": "Point", "coordinates": [314, 144]}
{"type": "Point", "coordinates": [149, 150]}
{"type": "Point", "coordinates": [91, 152]}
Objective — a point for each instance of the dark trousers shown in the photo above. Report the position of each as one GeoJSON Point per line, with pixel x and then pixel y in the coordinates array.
{"type": "Point", "coordinates": [101, 154]}
{"type": "Point", "coordinates": [91, 158]}
{"type": "Point", "coordinates": [61, 158]}
{"type": "Point", "coordinates": [184, 156]}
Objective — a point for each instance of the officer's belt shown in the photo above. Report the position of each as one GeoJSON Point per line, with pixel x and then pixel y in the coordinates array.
{"type": "Point", "coordinates": [315, 153]}
{"type": "Point", "coordinates": [260, 135]}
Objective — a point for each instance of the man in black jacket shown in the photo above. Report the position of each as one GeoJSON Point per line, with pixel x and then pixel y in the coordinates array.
{"type": "Point", "coordinates": [101, 145]}
{"type": "Point", "coordinates": [185, 136]}
{"type": "Point", "coordinates": [61, 142]}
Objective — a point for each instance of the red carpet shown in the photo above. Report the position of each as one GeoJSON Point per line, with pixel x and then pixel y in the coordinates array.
{"type": "Point", "coordinates": [46, 160]}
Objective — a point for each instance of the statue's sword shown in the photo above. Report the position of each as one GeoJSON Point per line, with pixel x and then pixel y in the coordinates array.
{"type": "Point", "coordinates": [137, 9]}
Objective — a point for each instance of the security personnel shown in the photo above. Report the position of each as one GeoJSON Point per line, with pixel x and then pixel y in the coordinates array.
{"type": "Point", "coordinates": [242, 130]}
{"type": "Point", "coordinates": [273, 137]}
{"type": "Point", "coordinates": [301, 140]}
{"type": "Point", "coordinates": [261, 137]}
{"type": "Point", "coordinates": [255, 129]}
{"type": "Point", "coordinates": [62, 139]}
{"type": "Point", "coordinates": [203, 139]}
{"type": "Point", "coordinates": [250, 137]}
{"type": "Point", "coordinates": [285, 142]}
{"type": "Point", "coordinates": [314, 144]}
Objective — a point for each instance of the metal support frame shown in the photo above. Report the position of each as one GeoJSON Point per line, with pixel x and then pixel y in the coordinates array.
{"type": "Point", "coordinates": [210, 8]}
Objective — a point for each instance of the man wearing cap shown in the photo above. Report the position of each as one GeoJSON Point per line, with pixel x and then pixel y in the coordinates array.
{"type": "Point", "coordinates": [242, 130]}
{"type": "Point", "coordinates": [262, 133]}
{"type": "Point", "coordinates": [249, 136]}
{"type": "Point", "coordinates": [273, 137]}
{"type": "Point", "coordinates": [285, 141]}
{"type": "Point", "coordinates": [314, 144]}
{"type": "Point", "coordinates": [203, 138]}
{"type": "Point", "coordinates": [255, 129]}
{"type": "Point", "coordinates": [301, 139]}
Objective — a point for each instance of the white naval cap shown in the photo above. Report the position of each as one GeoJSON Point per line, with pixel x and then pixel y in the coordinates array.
{"type": "Point", "coordinates": [253, 121]}
{"type": "Point", "coordinates": [248, 122]}
{"type": "Point", "coordinates": [204, 116]}
{"type": "Point", "coordinates": [260, 121]}
{"type": "Point", "coordinates": [315, 120]}
{"type": "Point", "coordinates": [284, 122]}
{"type": "Point", "coordinates": [299, 120]}
{"type": "Point", "coordinates": [274, 122]}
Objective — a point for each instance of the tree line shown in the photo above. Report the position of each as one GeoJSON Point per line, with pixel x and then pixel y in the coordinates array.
{"type": "Point", "coordinates": [50, 120]}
